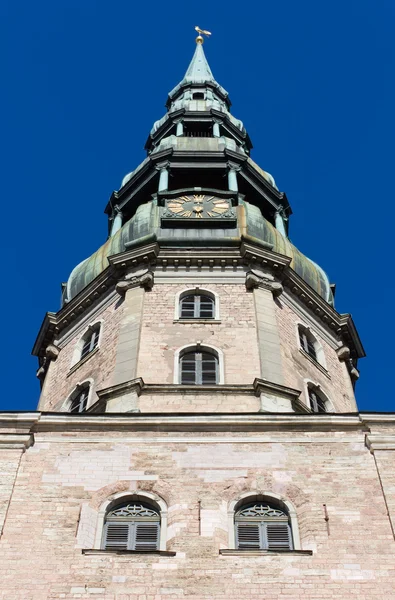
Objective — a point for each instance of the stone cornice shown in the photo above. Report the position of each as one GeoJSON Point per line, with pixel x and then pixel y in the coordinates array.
{"type": "Point", "coordinates": [377, 441]}
{"type": "Point", "coordinates": [18, 428]}
{"type": "Point", "coordinates": [47, 421]}
{"type": "Point", "coordinates": [16, 441]}
{"type": "Point", "coordinates": [262, 385]}
{"type": "Point", "coordinates": [140, 387]}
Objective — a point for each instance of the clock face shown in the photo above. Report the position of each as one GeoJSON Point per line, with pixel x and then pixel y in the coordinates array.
{"type": "Point", "coordinates": [199, 206]}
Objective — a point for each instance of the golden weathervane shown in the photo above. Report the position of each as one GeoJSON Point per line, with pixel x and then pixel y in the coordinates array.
{"type": "Point", "coordinates": [201, 32]}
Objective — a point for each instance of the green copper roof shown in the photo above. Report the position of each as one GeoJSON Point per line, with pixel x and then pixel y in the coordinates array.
{"type": "Point", "coordinates": [145, 227]}
{"type": "Point", "coordinates": [198, 72]}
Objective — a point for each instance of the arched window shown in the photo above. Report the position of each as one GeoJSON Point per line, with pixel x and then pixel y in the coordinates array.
{"type": "Point", "coordinates": [307, 342]}
{"type": "Point", "coordinates": [197, 306]}
{"type": "Point", "coordinates": [317, 401]}
{"type": "Point", "coordinates": [199, 368]}
{"type": "Point", "coordinates": [262, 526]}
{"type": "Point", "coordinates": [310, 345]}
{"type": "Point", "coordinates": [132, 525]}
{"type": "Point", "coordinates": [90, 340]}
{"type": "Point", "coordinates": [79, 400]}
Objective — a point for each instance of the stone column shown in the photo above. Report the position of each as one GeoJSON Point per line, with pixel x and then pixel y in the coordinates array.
{"type": "Point", "coordinates": [163, 178]}
{"type": "Point", "coordinates": [279, 223]}
{"type": "Point", "coordinates": [180, 129]}
{"type": "Point", "coordinates": [127, 349]}
{"type": "Point", "coordinates": [232, 179]}
{"type": "Point", "coordinates": [117, 221]}
{"type": "Point", "coordinates": [216, 132]}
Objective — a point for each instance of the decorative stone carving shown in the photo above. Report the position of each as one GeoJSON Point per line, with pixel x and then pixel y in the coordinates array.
{"type": "Point", "coordinates": [52, 352]}
{"type": "Point", "coordinates": [343, 353]}
{"type": "Point", "coordinates": [254, 281]}
{"type": "Point", "coordinates": [144, 279]}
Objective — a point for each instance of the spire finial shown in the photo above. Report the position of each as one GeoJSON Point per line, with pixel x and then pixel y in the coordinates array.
{"type": "Point", "coordinates": [201, 32]}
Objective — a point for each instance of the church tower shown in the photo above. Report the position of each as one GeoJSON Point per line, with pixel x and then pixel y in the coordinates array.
{"type": "Point", "coordinates": [197, 434]}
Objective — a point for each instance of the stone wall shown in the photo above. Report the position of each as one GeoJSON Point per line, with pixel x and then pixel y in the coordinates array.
{"type": "Point", "coordinates": [298, 368]}
{"type": "Point", "coordinates": [235, 335]}
{"type": "Point", "coordinates": [63, 374]}
{"type": "Point", "coordinates": [256, 334]}
{"type": "Point", "coordinates": [65, 479]}
{"type": "Point", "coordinates": [9, 463]}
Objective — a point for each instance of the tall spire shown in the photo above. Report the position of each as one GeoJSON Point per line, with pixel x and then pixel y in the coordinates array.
{"type": "Point", "coordinates": [199, 70]}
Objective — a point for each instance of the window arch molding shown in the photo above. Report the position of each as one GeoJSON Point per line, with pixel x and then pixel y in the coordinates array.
{"type": "Point", "coordinates": [80, 386]}
{"type": "Point", "coordinates": [270, 497]}
{"type": "Point", "coordinates": [302, 328]}
{"type": "Point", "coordinates": [316, 387]}
{"type": "Point", "coordinates": [193, 291]}
{"type": "Point", "coordinates": [198, 347]}
{"type": "Point", "coordinates": [141, 496]}
{"type": "Point", "coordinates": [98, 324]}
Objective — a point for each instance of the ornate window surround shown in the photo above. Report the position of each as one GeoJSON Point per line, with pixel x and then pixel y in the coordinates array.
{"type": "Point", "coordinates": [199, 347]}
{"type": "Point", "coordinates": [319, 350]}
{"type": "Point", "coordinates": [247, 497]}
{"type": "Point", "coordinates": [77, 389]}
{"type": "Point", "coordinates": [193, 291]}
{"type": "Point", "coordinates": [141, 496]}
{"type": "Point", "coordinates": [80, 344]}
{"type": "Point", "coordinates": [309, 383]}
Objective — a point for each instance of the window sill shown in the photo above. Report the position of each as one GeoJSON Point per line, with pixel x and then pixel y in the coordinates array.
{"type": "Point", "coordinates": [314, 362]}
{"type": "Point", "coordinates": [101, 551]}
{"type": "Point", "coordinates": [82, 361]}
{"type": "Point", "coordinates": [263, 552]}
{"type": "Point", "coordinates": [204, 321]}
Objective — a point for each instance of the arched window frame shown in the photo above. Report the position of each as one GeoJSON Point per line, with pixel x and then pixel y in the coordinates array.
{"type": "Point", "coordinates": [316, 387]}
{"type": "Point", "coordinates": [198, 347]}
{"type": "Point", "coordinates": [83, 338]}
{"type": "Point", "coordinates": [195, 291]}
{"type": "Point", "coordinates": [140, 496]}
{"type": "Point", "coordinates": [271, 498]}
{"type": "Point", "coordinates": [86, 383]}
{"type": "Point", "coordinates": [311, 336]}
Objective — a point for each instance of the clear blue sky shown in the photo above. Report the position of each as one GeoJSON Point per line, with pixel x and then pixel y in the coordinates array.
{"type": "Point", "coordinates": [84, 80]}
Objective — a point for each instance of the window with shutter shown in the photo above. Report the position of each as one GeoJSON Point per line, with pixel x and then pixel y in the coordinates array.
{"type": "Point", "coordinates": [197, 306]}
{"type": "Point", "coordinates": [248, 535]}
{"type": "Point", "coordinates": [132, 526]}
{"type": "Point", "coordinates": [261, 526]}
{"type": "Point", "coordinates": [146, 536]}
{"type": "Point", "coordinates": [278, 536]}
{"type": "Point", "coordinates": [199, 368]}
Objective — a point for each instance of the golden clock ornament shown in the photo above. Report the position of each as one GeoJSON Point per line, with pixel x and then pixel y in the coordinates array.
{"type": "Point", "coordinates": [199, 206]}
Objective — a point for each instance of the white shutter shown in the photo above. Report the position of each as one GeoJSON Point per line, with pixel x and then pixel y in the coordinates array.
{"type": "Point", "coordinates": [248, 536]}
{"type": "Point", "coordinates": [117, 535]}
{"type": "Point", "coordinates": [278, 536]}
{"type": "Point", "coordinates": [146, 536]}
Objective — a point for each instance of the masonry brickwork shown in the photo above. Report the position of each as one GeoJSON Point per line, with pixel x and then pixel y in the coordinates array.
{"type": "Point", "coordinates": [63, 480]}
{"type": "Point", "coordinates": [140, 337]}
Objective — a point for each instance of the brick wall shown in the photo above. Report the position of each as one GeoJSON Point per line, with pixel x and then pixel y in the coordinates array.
{"type": "Point", "coordinates": [141, 330]}
{"type": "Point", "coordinates": [336, 384]}
{"type": "Point", "coordinates": [9, 462]}
{"type": "Point", "coordinates": [60, 383]}
{"type": "Point", "coordinates": [235, 335]}
{"type": "Point", "coordinates": [63, 482]}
